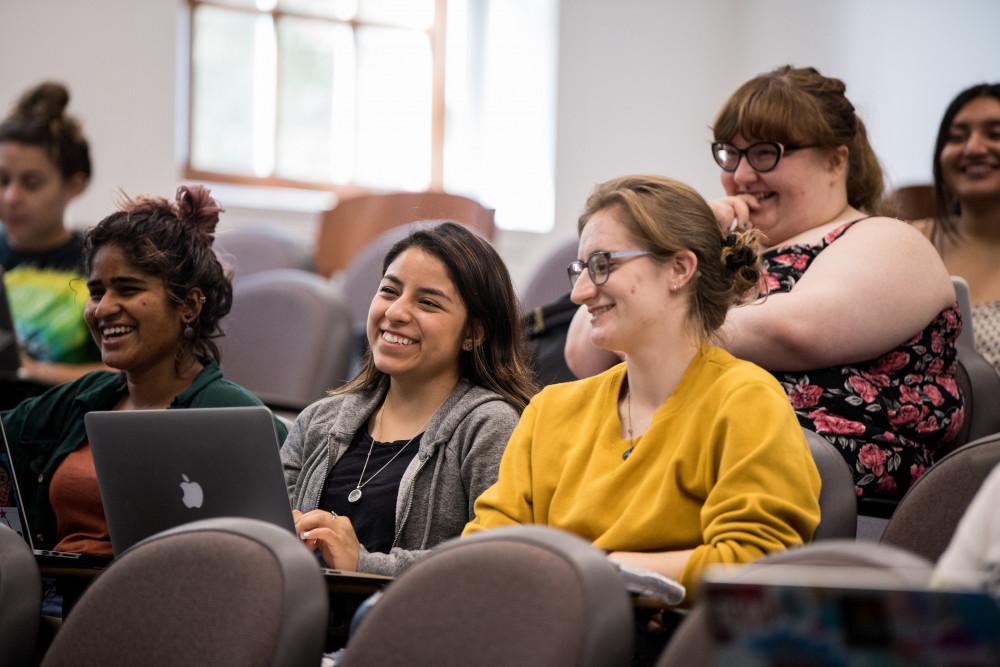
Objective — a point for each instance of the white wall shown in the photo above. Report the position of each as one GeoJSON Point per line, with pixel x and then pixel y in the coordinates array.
{"type": "Point", "coordinates": [639, 83]}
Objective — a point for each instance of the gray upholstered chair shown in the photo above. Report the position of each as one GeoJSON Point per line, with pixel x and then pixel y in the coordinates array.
{"type": "Point", "coordinates": [979, 381]}
{"type": "Point", "coordinates": [249, 251]}
{"type": "Point", "coordinates": [214, 592]}
{"type": "Point", "coordinates": [20, 599]}
{"type": "Point", "coordinates": [691, 645]}
{"type": "Point", "coordinates": [549, 281]}
{"type": "Point", "coordinates": [526, 595]}
{"type": "Point", "coordinates": [288, 337]}
{"type": "Point", "coordinates": [928, 514]}
{"type": "Point", "coordinates": [837, 502]}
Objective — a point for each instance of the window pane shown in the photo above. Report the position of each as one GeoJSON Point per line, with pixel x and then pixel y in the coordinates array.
{"type": "Point", "coordinates": [394, 108]}
{"type": "Point", "coordinates": [223, 90]}
{"type": "Point", "coordinates": [316, 118]}
{"type": "Point", "coordinates": [341, 9]}
{"type": "Point", "coordinates": [408, 13]}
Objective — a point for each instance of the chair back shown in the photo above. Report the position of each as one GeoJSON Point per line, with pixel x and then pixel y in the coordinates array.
{"type": "Point", "coordinates": [20, 599]}
{"type": "Point", "coordinates": [356, 221]}
{"type": "Point", "coordinates": [838, 504]}
{"type": "Point", "coordinates": [288, 337]}
{"type": "Point", "coordinates": [524, 595]}
{"type": "Point", "coordinates": [927, 516]}
{"type": "Point", "coordinates": [214, 592]}
{"type": "Point", "coordinates": [976, 377]}
{"type": "Point", "coordinates": [249, 251]}
{"type": "Point", "coordinates": [913, 202]}
{"type": "Point", "coordinates": [549, 281]}
{"type": "Point", "coordinates": [693, 646]}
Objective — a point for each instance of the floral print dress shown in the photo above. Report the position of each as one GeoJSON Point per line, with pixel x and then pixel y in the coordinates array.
{"type": "Point", "coordinates": [887, 416]}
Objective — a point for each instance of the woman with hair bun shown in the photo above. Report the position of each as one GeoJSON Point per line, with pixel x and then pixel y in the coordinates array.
{"type": "Point", "coordinates": [157, 294]}
{"type": "Point", "coordinates": [860, 321]}
{"type": "Point", "coordinates": [44, 165]}
{"type": "Point", "coordinates": [683, 455]}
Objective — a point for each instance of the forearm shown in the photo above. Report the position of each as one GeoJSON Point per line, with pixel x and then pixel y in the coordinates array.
{"type": "Point", "coordinates": [668, 563]}
{"type": "Point", "coordinates": [390, 564]}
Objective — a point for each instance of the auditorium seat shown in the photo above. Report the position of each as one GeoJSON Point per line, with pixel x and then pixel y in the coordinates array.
{"type": "Point", "coordinates": [20, 599]}
{"type": "Point", "coordinates": [524, 595]}
{"type": "Point", "coordinates": [213, 592]}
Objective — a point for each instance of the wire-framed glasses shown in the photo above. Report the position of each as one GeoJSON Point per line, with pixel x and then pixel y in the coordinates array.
{"type": "Point", "coordinates": [763, 156]}
{"type": "Point", "coordinates": [598, 265]}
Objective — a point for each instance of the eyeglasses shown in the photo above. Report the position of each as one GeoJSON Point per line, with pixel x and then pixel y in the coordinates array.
{"type": "Point", "coordinates": [599, 265]}
{"type": "Point", "coordinates": [762, 156]}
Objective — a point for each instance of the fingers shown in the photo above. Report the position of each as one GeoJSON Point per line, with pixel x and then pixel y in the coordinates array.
{"type": "Point", "coordinates": [733, 213]}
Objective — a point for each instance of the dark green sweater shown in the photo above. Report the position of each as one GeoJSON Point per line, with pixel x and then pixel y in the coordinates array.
{"type": "Point", "coordinates": [44, 430]}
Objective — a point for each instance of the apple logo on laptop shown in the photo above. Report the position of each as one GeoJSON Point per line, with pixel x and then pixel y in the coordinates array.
{"type": "Point", "coordinates": [193, 495]}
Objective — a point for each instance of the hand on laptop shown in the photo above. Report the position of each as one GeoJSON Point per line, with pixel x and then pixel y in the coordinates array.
{"type": "Point", "coordinates": [333, 535]}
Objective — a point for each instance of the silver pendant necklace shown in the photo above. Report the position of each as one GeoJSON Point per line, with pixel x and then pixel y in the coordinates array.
{"type": "Point", "coordinates": [355, 494]}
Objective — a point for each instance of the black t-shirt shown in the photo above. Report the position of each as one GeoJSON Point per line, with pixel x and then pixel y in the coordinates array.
{"type": "Point", "coordinates": [67, 257]}
{"type": "Point", "coordinates": [374, 514]}
{"type": "Point", "coordinates": [47, 292]}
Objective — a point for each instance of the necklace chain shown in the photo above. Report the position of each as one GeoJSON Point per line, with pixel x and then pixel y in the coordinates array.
{"type": "Point", "coordinates": [355, 494]}
{"type": "Point", "coordinates": [628, 411]}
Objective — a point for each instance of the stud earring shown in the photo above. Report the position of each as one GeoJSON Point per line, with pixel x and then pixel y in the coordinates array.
{"type": "Point", "coordinates": [467, 345]}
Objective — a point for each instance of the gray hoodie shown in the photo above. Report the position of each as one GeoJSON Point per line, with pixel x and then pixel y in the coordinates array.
{"type": "Point", "coordinates": [458, 459]}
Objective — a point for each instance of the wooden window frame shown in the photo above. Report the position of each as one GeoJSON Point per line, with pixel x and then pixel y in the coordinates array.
{"type": "Point", "coordinates": [436, 34]}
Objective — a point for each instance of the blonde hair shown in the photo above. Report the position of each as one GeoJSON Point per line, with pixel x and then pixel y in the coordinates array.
{"type": "Point", "coordinates": [666, 216]}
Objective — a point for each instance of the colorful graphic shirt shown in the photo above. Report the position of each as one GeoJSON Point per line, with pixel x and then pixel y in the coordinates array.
{"type": "Point", "coordinates": [47, 292]}
{"type": "Point", "coordinates": [887, 416]}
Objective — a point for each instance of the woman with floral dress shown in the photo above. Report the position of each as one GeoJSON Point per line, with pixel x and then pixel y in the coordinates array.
{"type": "Point", "coordinates": [860, 322]}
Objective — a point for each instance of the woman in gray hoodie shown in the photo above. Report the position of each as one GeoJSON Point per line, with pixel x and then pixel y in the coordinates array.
{"type": "Point", "coordinates": [392, 462]}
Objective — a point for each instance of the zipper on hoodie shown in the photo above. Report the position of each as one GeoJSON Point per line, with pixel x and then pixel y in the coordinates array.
{"type": "Point", "coordinates": [329, 468]}
{"type": "Point", "coordinates": [409, 501]}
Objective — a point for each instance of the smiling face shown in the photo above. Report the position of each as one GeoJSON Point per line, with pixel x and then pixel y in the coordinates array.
{"type": "Point", "coordinates": [805, 190]}
{"type": "Point", "coordinates": [628, 310]}
{"type": "Point", "coordinates": [970, 158]}
{"type": "Point", "coordinates": [33, 196]}
{"type": "Point", "coordinates": [417, 320]}
{"type": "Point", "coordinates": [135, 324]}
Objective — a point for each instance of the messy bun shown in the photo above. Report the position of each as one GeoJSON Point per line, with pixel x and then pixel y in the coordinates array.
{"type": "Point", "coordinates": [666, 216]}
{"type": "Point", "coordinates": [196, 207]}
{"type": "Point", "coordinates": [173, 241]}
{"type": "Point", "coordinates": [38, 119]}
{"type": "Point", "coordinates": [741, 262]}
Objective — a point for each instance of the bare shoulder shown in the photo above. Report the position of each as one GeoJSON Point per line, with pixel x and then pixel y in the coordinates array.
{"type": "Point", "coordinates": [884, 233]}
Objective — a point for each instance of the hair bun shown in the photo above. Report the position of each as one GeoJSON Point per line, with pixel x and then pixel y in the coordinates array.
{"type": "Point", "coordinates": [45, 102]}
{"type": "Point", "coordinates": [196, 207]}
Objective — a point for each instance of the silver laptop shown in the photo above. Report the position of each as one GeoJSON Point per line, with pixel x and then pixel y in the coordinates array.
{"type": "Point", "coordinates": [14, 515]}
{"type": "Point", "coordinates": [161, 468]}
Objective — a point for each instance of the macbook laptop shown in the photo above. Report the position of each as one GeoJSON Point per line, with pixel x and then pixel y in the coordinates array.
{"type": "Point", "coordinates": [14, 515]}
{"type": "Point", "coordinates": [161, 468]}
{"type": "Point", "coordinates": [845, 616]}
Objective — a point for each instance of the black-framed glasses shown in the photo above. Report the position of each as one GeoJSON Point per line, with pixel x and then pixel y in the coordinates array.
{"type": "Point", "coordinates": [598, 265]}
{"type": "Point", "coordinates": [762, 156]}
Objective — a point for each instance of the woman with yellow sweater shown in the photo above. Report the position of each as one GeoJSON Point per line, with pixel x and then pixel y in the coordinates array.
{"type": "Point", "coordinates": [682, 456]}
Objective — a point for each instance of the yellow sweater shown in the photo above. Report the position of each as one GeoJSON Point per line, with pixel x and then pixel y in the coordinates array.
{"type": "Point", "coordinates": [723, 468]}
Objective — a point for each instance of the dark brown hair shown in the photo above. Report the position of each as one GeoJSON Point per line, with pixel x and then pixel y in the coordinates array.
{"type": "Point", "coordinates": [798, 105]}
{"type": "Point", "coordinates": [38, 119]}
{"type": "Point", "coordinates": [665, 216]}
{"type": "Point", "coordinates": [481, 278]}
{"type": "Point", "coordinates": [173, 241]}
{"type": "Point", "coordinates": [946, 204]}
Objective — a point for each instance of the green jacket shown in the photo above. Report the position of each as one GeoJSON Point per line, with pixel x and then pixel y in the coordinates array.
{"type": "Point", "coordinates": [42, 431]}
